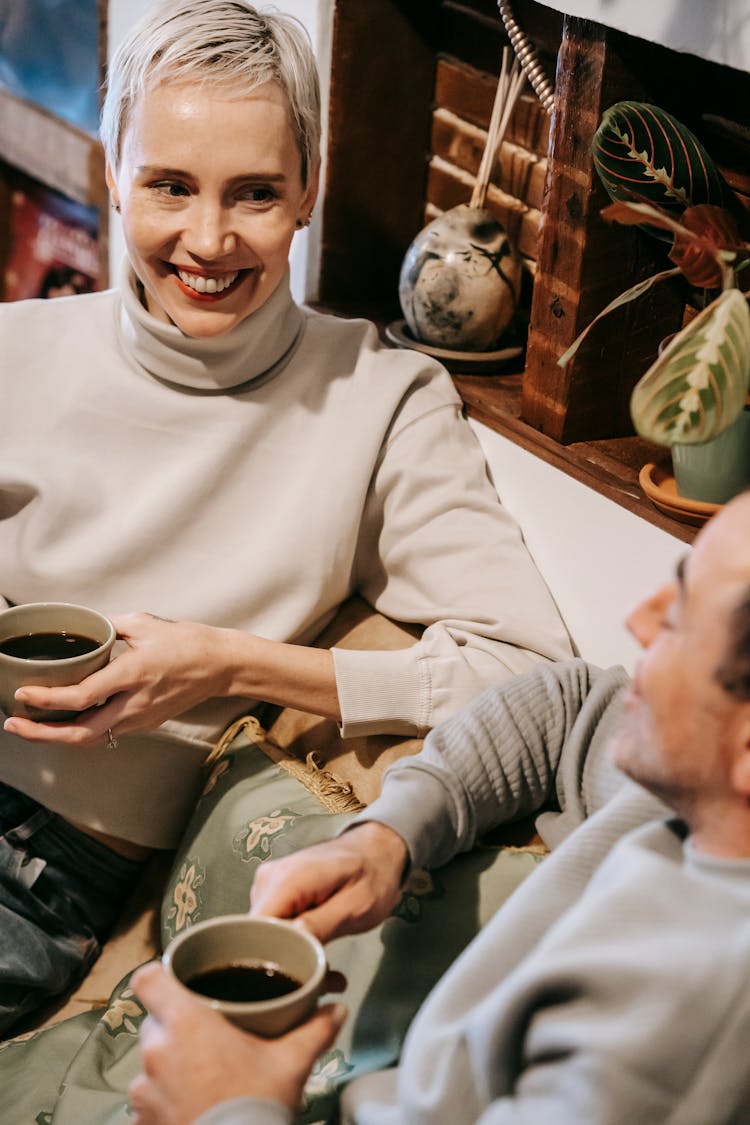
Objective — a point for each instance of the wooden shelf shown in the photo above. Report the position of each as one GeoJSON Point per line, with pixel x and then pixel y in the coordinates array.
{"type": "Point", "coordinates": [426, 105]}
{"type": "Point", "coordinates": [609, 466]}
{"type": "Point", "coordinates": [49, 149]}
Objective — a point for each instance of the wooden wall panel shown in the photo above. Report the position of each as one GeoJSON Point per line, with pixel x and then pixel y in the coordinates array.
{"type": "Point", "coordinates": [412, 87]}
{"type": "Point", "coordinates": [583, 263]}
{"type": "Point", "coordinates": [395, 153]}
{"type": "Point", "coordinates": [469, 93]}
{"type": "Point", "coordinates": [382, 80]}
{"type": "Point", "coordinates": [520, 172]}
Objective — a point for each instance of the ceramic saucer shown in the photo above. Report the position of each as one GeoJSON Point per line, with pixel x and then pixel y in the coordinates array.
{"type": "Point", "coordinates": [460, 363]}
{"type": "Point", "coordinates": [659, 485]}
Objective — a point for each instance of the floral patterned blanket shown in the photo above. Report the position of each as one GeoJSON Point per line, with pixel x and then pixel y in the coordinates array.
{"type": "Point", "coordinates": [77, 1072]}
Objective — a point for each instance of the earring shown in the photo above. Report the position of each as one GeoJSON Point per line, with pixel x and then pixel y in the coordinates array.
{"type": "Point", "coordinates": [300, 223]}
{"type": "Point", "coordinates": [116, 207]}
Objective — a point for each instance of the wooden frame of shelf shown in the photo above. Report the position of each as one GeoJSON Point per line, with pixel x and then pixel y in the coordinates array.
{"type": "Point", "coordinates": [609, 466]}
{"type": "Point", "coordinates": [389, 124]}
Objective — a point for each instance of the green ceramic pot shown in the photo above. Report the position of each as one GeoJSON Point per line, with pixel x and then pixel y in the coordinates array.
{"type": "Point", "coordinates": [716, 470]}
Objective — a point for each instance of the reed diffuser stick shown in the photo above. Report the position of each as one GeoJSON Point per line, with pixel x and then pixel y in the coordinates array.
{"type": "Point", "coordinates": [509, 86]}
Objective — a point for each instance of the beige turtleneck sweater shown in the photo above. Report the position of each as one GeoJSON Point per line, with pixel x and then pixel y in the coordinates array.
{"type": "Point", "coordinates": [253, 480]}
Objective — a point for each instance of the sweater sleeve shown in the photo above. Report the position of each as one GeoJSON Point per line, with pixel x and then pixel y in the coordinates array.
{"type": "Point", "coordinates": [246, 1111]}
{"type": "Point", "coordinates": [437, 548]}
{"type": "Point", "coordinates": [521, 745]}
{"type": "Point", "coordinates": [596, 1022]}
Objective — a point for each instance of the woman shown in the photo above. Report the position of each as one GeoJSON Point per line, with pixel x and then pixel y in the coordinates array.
{"type": "Point", "coordinates": [196, 443]}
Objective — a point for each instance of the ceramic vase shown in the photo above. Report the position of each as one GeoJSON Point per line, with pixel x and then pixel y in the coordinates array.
{"type": "Point", "coordinates": [460, 281]}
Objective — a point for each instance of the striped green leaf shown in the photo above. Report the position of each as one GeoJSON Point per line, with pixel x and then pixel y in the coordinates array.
{"type": "Point", "coordinates": [625, 298]}
{"type": "Point", "coordinates": [644, 154]}
{"type": "Point", "coordinates": [698, 386]}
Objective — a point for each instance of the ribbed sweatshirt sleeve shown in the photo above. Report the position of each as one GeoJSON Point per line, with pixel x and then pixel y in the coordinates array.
{"type": "Point", "coordinates": [520, 746]}
{"type": "Point", "coordinates": [246, 1111]}
{"type": "Point", "coordinates": [436, 548]}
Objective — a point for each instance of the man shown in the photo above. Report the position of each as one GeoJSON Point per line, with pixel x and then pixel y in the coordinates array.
{"type": "Point", "coordinates": [628, 1003]}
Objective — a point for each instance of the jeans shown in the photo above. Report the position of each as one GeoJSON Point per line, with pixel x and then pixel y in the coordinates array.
{"type": "Point", "coordinates": [60, 893]}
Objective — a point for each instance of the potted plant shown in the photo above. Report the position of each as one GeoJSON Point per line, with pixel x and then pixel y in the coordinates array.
{"type": "Point", "coordinates": [692, 398]}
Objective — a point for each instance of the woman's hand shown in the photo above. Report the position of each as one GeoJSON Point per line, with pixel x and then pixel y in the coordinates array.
{"type": "Point", "coordinates": [169, 666]}
{"type": "Point", "coordinates": [344, 886]}
{"type": "Point", "coordinates": [193, 1058]}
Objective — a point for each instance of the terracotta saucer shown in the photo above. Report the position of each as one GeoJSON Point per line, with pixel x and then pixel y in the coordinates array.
{"type": "Point", "coordinates": [461, 363]}
{"type": "Point", "coordinates": [659, 485]}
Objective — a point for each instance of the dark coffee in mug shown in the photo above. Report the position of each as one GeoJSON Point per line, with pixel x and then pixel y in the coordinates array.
{"type": "Point", "coordinates": [243, 983]}
{"type": "Point", "coordinates": [48, 646]}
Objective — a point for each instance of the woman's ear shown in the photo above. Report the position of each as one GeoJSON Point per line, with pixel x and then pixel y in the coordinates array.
{"type": "Point", "coordinates": [310, 194]}
{"type": "Point", "coordinates": [110, 181]}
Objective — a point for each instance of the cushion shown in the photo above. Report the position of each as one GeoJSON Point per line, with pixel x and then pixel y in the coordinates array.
{"type": "Point", "coordinates": [250, 811]}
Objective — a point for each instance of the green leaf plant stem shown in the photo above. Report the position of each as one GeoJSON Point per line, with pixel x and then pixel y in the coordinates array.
{"type": "Point", "coordinates": [663, 181]}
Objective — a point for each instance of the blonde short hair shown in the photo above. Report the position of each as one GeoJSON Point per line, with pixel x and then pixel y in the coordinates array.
{"type": "Point", "coordinates": [221, 43]}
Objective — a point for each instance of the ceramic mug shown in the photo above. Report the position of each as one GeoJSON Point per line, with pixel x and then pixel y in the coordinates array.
{"type": "Point", "coordinates": [217, 948]}
{"type": "Point", "coordinates": [50, 643]}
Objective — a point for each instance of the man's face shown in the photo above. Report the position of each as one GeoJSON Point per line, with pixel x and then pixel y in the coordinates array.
{"type": "Point", "coordinates": [676, 739]}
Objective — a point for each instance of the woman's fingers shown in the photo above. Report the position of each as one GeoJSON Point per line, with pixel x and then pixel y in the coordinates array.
{"type": "Point", "coordinates": [94, 691]}
{"type": "Point", "coordinates": [163, 672]}
{"type": "Point", "coordinates": [99, 704]}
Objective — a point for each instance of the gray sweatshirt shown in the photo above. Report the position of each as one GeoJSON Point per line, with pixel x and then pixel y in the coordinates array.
{"type": "Point", "coordinates": [606, 990]}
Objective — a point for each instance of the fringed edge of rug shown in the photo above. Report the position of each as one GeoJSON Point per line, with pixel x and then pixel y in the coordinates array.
{"type": "Point", "coordinates": [335, 796]}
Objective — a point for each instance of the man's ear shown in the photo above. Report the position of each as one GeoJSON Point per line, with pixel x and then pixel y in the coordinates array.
{"type": "Point", "coordinates": [740, 772]}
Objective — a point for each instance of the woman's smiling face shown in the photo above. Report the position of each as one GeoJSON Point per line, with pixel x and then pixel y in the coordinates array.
{"type": "Point", "coordinates": [210, 190]}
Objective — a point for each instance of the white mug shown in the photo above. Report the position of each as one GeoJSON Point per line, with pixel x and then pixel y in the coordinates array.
{"type": "Point", "coordinates": [35, 642]}
{"type": "Point", "coordinates": [240, 940]}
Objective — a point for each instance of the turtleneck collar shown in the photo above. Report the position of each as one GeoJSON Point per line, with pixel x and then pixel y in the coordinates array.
{"type": "Point", "coordinates": [252, 351]}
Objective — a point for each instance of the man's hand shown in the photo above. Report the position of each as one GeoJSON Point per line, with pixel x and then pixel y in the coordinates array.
{"type": "Point", "coordinates": [193, 1058]}
{"type": "Point", "coordinates": [343, 886]}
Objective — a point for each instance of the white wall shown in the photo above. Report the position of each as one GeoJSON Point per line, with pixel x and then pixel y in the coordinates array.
{"type": "Point", "coordinates": [713, 29]}
{"type": "Point", "coordinates": [598, 559]}
{"type": "Point", "coordinates": [317, 16]}
{"type": "Point", "coordinates": [122, 14]}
